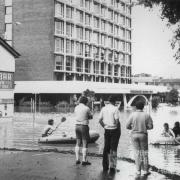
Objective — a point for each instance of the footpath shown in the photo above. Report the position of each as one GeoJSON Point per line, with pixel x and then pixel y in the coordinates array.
{"type": "Point", "coordinates": [36, 165]}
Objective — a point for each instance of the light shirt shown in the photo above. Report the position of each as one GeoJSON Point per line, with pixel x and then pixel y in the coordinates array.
{"type": "Point", "coordinates": [110, 116]}
{"type": "Point", "coordinates": [139, 122]}
{"type": "Point", "coordinates": [82, 114]}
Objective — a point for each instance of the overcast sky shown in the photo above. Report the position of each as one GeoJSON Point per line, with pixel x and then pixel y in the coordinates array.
{"type": "Point", "coordinates": [151, 48]}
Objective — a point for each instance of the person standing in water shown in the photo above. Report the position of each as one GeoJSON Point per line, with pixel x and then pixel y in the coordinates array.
{"type": "Point", "coordinates": [109, 120]}
{"type": "Point", "coordinates": [139, 122]}
{"type": "Point", "coordinates": [82, 117]}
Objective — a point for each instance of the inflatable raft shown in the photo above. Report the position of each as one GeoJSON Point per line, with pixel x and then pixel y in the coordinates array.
{"type": "Point", "coordinates": [67, 139]}
{"type": "Point", "coordinates": [166, 141]}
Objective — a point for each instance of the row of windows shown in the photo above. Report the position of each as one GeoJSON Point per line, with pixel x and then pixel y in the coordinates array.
{"type": "Point", "coordinates": [86, 77]}
{"type": "Point", "coordinates": [78, 48]}
{"type": "Point", "coordinates": [82, 17]}
{"type": "Point", "coordinates": [107, 28]}
{"type": "Point", "coordinates": [101, 8]}
{"type": "Point", "coordinates": [85, 66]}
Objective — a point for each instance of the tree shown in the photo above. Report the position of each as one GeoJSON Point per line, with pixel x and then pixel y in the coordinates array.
{"type": "Point", "coordinates": [172, 96]}
{"type": "Point", "coordinates": [155, 102]}
{"type": "Point", "coordinates": [170, 10]}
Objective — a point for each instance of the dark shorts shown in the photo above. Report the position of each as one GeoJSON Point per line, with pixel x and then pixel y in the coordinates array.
{"type": "Point", "coordinates": [82, 132]}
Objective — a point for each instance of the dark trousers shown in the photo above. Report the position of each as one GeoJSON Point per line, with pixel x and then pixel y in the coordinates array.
{"type": "Point", "coordinates": [111, 140]}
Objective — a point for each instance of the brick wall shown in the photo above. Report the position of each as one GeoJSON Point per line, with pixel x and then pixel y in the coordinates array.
{"type": "Point", "coordinates": [2, 16]}
{"type": "Point", "coordinates": [33, 39]}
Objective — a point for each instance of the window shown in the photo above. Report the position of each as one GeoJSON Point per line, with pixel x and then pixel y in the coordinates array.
{"type": "Point", "coordinates": [87, 66]}
{"type": "Point", "coordinates": [116, 17]}
{"type": "Point", "coordinates": [8, 30]}
{"type": "Point", "coordinates": [103, 68]}
{"type": "Point", "coordinates": [122, 7]}
{"type": "Point", "coordinates": [81, 3]}
{"type": "Point", "coordinates": [59, 27]}
{"type": "Point", "coordinates": [87, 35]}
{"type": "Point", "coordinates": [110, 55]}
{"type": "Point", "coordinates": [8, 10]}
{"type": "Point", "coordinates": [69, 63]}
{"type": "Point", "coordinates": [103, 54]}
{"type": "Point", "coordinates": [122, 33]}
{"type": "Point", "coordinates": [110, 42]}
{"type": "Point", "coordinates": [116, 57]}
{"type": "Point", "coordinates": [59, 45]}
{"type": "Point", "coordinates": [129, 59]}
{"type": "Point", "coordinates": [117, 4]}
{"type": "Point", "coordinates": [122, 46]}
{"type": "Point", "coordinates": [96, 67]}
{"type": "Point", "coordinates": [128, 10]}
{"type": "Point", "coordinates": [87, 5]}
{"type": "Point", "coordinates": [87, 19]}
{"type": "Point", "coordinates": [79, 65]}
{"type": "Point", "coordinates": [122, 58]}
{"type": "Point", "coordinates": [103, 39]}
{"type": "Point", "coordinates": [116, 30]}
{"type": "Point", "coordinates": [87, 51]}
{"type": "Point", "coordinates": [128, 22]}
{"type": "Point", "coordinates": [103, 25]}
{"type": "Point", "coordinates": [59, 9]}
{"type": "Point", "coordinates": [116, 44]}
{"type": "Point", "coordinates": [69, 12]}
{"type": "Point", "coordinates": [96, 22]}
{"type": "Point", "coordinates": [109, 69]}
{"type": "Point", "coordinates": [79, 48]}
{"type": "Point", "coordinates": [122, 20]}
{"type": "Point", "coordinates": [103, 11]}
{"type": "Point", "coordinates": [96, 8]}
{"type": "Point", "coordinates": [69, 29]}
{"type": "Point", "coordinates": [96, 37]}
{"type": "Point", "coordinates": [128, 35]}
{"type": "Point", "coordinates": [110, 14]}
{"type": "Point", "coordinates": [110, 27]}
{"type": "Point", "coordinates": [8, 2]}
{"type": "Point", "coordinates": [69, 46]}
{"type": "Point", "coordinates": [59, 62]}
{"type": "Point", "coordinates": [95, 52]}
{"type": "Point", "coordinates": [79, 31]}
{"type": "Point", "coordinates": [128, 45]}
{"type": "Point", "coordinates": [116, 70]}
{"type": "Point", "coordinates": [79, 16]}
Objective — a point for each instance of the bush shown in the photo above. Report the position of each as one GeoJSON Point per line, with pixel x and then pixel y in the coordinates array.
{"type": "Point", "coordinates": [155, 102]}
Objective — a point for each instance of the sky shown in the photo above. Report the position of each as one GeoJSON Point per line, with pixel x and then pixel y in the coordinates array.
{"type": "Point", "coordinates": [152, 52]}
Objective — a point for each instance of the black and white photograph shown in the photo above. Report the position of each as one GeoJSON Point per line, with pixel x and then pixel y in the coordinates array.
{"type": "Point", "coordinates": [89, 89]}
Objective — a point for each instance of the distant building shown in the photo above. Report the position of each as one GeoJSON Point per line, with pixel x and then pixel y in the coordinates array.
{"type": "Point", "coordinates": [7, 69]}
{"type": "Point", "coordinates": [69, 40]}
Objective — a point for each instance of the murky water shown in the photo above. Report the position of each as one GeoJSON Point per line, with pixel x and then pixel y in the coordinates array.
{"type": "Point", "coordinates": [21, 132]}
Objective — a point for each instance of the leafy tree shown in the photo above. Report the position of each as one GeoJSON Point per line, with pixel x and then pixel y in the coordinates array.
{"type": "Point", "coordinates": [155, 102]}
{"type": "Point", "coordinates": [170, 10]}
{"type": "Point", "coordinates": [172, 96]}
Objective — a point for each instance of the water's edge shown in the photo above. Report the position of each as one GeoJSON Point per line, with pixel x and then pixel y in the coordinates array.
{"type": "Point", "coordinates": [55, 150]}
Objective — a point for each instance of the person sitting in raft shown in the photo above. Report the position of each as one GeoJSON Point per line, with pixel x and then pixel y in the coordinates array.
{"type": "Point", "coordinates": [167, 132]}
{"type": "Point", "coordinates": [49, 129]}
{"type": "Point", "coordinates": [176, 129]}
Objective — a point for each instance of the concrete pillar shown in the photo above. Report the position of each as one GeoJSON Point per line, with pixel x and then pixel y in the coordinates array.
{"type": "Point", "coordinates": [125, 101]}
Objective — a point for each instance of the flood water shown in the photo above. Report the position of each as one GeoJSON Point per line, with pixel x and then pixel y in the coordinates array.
{"type": "Point", "coordinates": [23, 133]}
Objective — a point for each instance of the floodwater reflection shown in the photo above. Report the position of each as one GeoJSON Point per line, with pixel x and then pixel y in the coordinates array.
{"type": "Point", "coordinates": [19, 133]}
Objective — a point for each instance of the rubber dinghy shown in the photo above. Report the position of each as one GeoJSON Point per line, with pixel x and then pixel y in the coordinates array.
{"type": "Point", "coordinates": [166, 141]}
{"type": "Point", "coordinates": [67, 139]}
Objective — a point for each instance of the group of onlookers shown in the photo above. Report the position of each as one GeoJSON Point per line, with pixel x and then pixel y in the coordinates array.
{"type": "Point", "coordinates": [139, 122]}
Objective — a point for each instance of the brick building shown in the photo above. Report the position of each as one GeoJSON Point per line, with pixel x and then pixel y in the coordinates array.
{"type": "Point", "coordinates": [84, 40]}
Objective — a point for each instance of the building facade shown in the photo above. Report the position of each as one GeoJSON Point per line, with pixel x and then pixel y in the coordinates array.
{"type": "Point", "coordinates": [70, 40]}
{"type": "Point", "coordinates": [7, 69]}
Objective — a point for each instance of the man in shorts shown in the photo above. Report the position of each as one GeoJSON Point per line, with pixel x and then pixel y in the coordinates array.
{"type": "Point", "coordinates": [82, 116]}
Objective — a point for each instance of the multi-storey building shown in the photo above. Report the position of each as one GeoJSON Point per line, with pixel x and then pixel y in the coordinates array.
{"type": "Point", "coordinates": [67, 40]}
